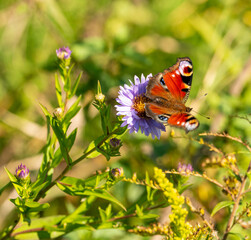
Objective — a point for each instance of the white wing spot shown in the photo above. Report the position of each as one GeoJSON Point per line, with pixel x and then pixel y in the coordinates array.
{"type": "Point", "coordinates": [177, 72]}
{"type": "Point", "coordinates": [173, 75]}
{"type": "Point", "coordinates": [190, 127]}
{"type": "Point", "coordinates": [178, 122]}
{"type": "Point", "coordinates": [182, 124]}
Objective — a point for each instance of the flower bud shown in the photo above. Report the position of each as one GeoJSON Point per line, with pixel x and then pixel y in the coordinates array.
{"type": "Point", "coordinates": [58, 112]}
{"type": "Point", "coordinates": [117, 172]}
{"type": "Point", "coordinates": [115, 143]}
{"type": "Point", "coordinates": [63, 53]}
{"type": "Point", "coordinates": [22, 172]}
{"type": "Point", "coordinates": [100, 97]}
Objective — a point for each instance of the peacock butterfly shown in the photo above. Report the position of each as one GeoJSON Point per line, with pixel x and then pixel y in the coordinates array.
{"type": "Point", "coordinates": [167, 93]}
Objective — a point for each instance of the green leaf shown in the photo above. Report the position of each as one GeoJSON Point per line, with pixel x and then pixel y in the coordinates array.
{"type": "Point", "coordinates": [74, 109]}
{"type": "Point", "coordinates": [36, 206]}
{"type": "Point", "coordinates": [92, 147]}
{"type": "Point", "coordinates": [19, 204]}
{"type": "Point", "coordinates": [90, 182]}
{"type": "Point", "coordinates": [139, 211]}
{"type": "Point", "coordinates": [61, 139]}
{"type": "Point", "coordinates": [15, 183]}
{"type": "Point", "coordinates": [79, 187]}
{"type": "Point", "coordinates": [58, 91]}
{"type": "Point", "coordinates": [99, 90]}
{"type": "Point", "coordinates": [71, 138]}
{"type": "Point", "coordinates": [75, 86]}
{"type": "Point", "coordinates": [56, 159]}
{"type": "Point", "coordinates": [105, 119]}
{"type": "Point", "coordinates": [44, 109]}
{"type": "Point", "coordinates": [221, 205]}
{"type": "Point", "coordinates": [103, 152]}
{"type": "Point", "coordinates": [102, 214]}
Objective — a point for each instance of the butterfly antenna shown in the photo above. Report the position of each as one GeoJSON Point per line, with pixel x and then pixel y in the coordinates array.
{"type": "Point", "coordinates": [201, 114]}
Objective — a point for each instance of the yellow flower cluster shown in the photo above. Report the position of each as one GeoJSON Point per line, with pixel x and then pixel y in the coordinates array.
{"type": "Point", "coordinates": [153, 229]}
{"type": "Point", "coordinates": [180, 227]}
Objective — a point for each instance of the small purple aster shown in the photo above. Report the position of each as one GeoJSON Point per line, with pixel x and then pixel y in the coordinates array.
{"type": "Point", "coordinates": [63, 53]}
{"type": "Point", "coordinates": [132, 106]}
{"type": "Point", "coordinates": [184, 168]}
{"type": "Point", "coordinates": [22, 172]}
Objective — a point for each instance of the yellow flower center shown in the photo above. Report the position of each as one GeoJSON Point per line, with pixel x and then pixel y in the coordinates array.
{"type": "Point", "coordinates": [139, 105]}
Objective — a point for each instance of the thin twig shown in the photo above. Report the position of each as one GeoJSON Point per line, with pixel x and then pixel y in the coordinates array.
{"type": "Point", "coordinates": [227, 136]}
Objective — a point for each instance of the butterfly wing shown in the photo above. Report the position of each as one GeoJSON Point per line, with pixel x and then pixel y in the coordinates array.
{"type": "Point", "coordinates": [175, 82]}
{"type": "Point", "coordinates": [169, 116]}
{"type": "Point", "coordinates": [183, 120]}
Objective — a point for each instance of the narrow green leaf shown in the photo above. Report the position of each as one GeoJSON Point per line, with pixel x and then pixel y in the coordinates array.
{"type": "Point", "coordinates": [80, 184]}
{"type": "Point", "coordinates": [107, 156]}
{"type": "Point", "coordinates": [58, 91]}
{"type": "Point", "coordinates": [99, 90]}
{"type": "Point", "coordinates": [221, 205]}
{"type": "Point", "coordinates": [102, 214]}
{"type": "Point", "coordinates": [44, 109]}
{"type": "Point", "coordinates": [74, 109]}
{"type": "Point", "coordinates": [61, 139]}
{"type": "Point", "coordinates": [92, 147]}
{"type": "Point", "coordinates": [139, 211]}
{"type": "Point", "coordinates": [79, 187]}
{"type": "Point", "coordinates": [14, 181]}
{"type": "Point", "coordinates": [36, 206]}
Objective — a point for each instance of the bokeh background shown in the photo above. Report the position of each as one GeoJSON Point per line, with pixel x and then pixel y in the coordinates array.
{"type": "Point", "coordinates": [112, 41]}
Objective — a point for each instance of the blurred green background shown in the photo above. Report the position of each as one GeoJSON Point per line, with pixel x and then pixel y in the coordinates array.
{"type": "Point", "coordinates": [112, 41]}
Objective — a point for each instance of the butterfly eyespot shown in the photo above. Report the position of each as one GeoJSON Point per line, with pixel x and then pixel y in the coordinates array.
{"type": "Point", "coordinates": [162, 82]}
{"type": "Point", "coordinates": [186, 68]}
{"type": "Point", "coordinates": [163, 118]}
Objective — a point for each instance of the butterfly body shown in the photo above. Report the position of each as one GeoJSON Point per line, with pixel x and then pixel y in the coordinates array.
{"type": "Point", "coordinates": [167, 93]}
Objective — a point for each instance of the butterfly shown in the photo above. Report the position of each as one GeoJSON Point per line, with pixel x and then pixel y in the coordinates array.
{"type": "Point", "coordinates": [167, 94]}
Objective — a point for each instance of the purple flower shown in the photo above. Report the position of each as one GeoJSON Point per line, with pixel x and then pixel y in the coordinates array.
{"type": "Point", "coordinates": [22, 172]}
{"type": "Point", "coordinates": [184, 168]}
{"type": "Point", "coordinates": [63, 53]}
{"type": "Point", "coordinates": [132, 107]}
